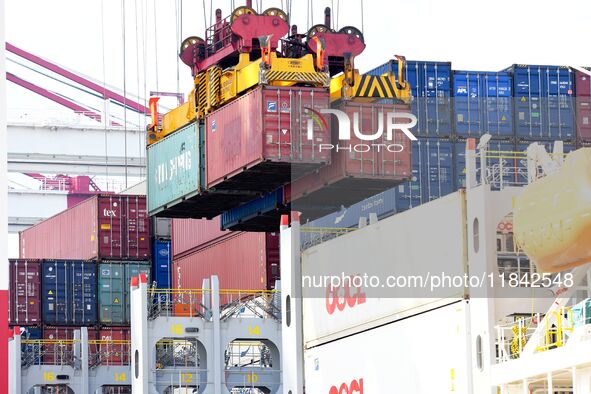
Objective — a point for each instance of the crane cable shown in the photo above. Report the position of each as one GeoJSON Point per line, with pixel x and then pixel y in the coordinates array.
{"type": "Point", "coordinates": [156, 44]}
{"type": "Point", "coordinates": [106, 120]}
{"type": "Point", "coordinates": [177, 18]}
{"type": "Point", "coordinates": [362, 25]}
{"type": "Point", "coordinates": [124, 87]}
{"type": "Point", "coordinates": [204, 17]}
{"type": "Point", "coordinates": [338, 12]}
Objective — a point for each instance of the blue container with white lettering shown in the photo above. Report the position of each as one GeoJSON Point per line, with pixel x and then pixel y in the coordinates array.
{"type": "Point", "coordinates": [544, 102]}
{"type": "Point", "coordinates": [258, 215]}
{"type": "Point", "coordinates": [431, 90]}
{"type": "Point", "coordinates": [500, 153]}
{"type": "Point", "coordinates": [162, 263]}
{"type": "Point", "coordinates": [483, 104]}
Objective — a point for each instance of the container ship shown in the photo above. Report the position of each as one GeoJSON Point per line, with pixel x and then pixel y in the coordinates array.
{"type": "Point", "coordinates": [305, 227]}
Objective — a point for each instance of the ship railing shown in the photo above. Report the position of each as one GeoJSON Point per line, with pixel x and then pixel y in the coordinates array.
{"type": "Point", "coordinates": [177, 303]}
{"type": "Point", "coordinates": [265, 304]}
{"type": "Point", "coordinates": [218, 36]}
{"type": "Point", "coordinates": [512, 337]}
{"type": "Point", "coordinates": [177, 352]}
{"type": "Point", "coordinates": [109, 352]}
{"type": "Point", "coordinates": [312, 236]}
{"type": "Point", "coordinates": [248, 354]}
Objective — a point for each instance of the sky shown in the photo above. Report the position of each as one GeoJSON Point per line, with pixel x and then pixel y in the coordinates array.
{"type": "Point", "coordinates": [87, 36]}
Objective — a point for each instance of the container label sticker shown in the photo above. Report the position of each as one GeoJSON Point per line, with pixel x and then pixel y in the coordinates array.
{"type": "Point", "coordinates": [115, 300]}
{"type": "Point", "coordinates": [105, 226]}
{"type": "Point", "coordinates": [214, 125]}
{"type": "Point", "coordinates": [271, 106]}
{"type": "Point", "coordinates": [284, 106]}
{"type": "Point", "coordinates": [163, 252]}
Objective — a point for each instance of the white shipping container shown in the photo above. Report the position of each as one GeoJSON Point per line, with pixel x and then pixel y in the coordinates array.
{"type": "Point", "coordinates": [424, 354]}
{"type": "Point", "coordinates": [421, 243]}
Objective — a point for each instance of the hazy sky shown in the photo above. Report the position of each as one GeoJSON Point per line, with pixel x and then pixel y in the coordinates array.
{"type": "Point", "coordinates": [473, 34]}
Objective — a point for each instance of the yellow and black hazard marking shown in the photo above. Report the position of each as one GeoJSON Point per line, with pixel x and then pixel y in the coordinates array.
{"type": "Point", "coordinates": [374, 86]}
{"type": "Point", "coordinates": [214, 75]}
{"type": "Point", "coordinates": [319, 79]}
{"type": "Point", "coordinates": [201, 95]}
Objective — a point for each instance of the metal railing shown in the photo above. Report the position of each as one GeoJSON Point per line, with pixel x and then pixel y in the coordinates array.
{"type": "Point", "coordinates": [63, 353]}
{"type": "Point", "coordinates": [233, 303]}
{"type": "Point", "coordinates": [248, 354]}
{"type": "Point", "coordinates": [174, 352]}
{"type": "Point", "coordinates": [312, 236]}
{"type": "Point", "coordinates": [513, 337]}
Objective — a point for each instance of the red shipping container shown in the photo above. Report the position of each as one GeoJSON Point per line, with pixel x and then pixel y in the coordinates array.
{"type": "Point", "coordinates": [24, 292]}
{"type": "Point", "coordinates": [188, 234]}
{"type": "Point", "coordinates": [61, 353]}
{"type": "Point", "coordinates": [101, 227]}
{"type": "Point", "coordinates": [114, 346]}
{"type": "Point", "coordinates": [264, 132]}
{"type": "Point", "coordinates": [248, 261]}
{"type": "Point", "coordinates": [582, 84]}
{"type": "Point", "coordinates": [359, 169]}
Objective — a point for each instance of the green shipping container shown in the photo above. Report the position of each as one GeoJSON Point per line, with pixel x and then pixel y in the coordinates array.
{"type": "Point", "coordinates": [174, 169]}
{"type": "Point", "coordinates": [113, 279]}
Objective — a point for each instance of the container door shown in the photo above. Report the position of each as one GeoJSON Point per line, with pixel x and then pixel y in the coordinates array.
{"type": "Point", "coordinates": [25, 284]}
{"type": "Point", "coordinates": [528, 100]}
{"type": "Point", "coordinates": [111, 226]}
{"type": "Point", "coordinates": [111, 285]}
{"type": "Point", "coordinates": [410, 194]}
{"type": "Point", "coordinates": [559, 87]}
{"type": "Point", "coordinates": [436, 100]}
{"type": "Point", "coordinates": [133, 269]}
{"type": "Point", "coordinates": [138, 244]}
{"type": "Point", "coordinates": [56, 297]}
{"type": "Point", "coordinates": [162, 263]}
{"type": "Point", "coordinates": [497, 104]}
{"type": "Point", "coordinates": [83, 290]}
{"type": "Point", "coordinates": [439, 179]}
{"type": "Point", "coordinates": [467, 104]}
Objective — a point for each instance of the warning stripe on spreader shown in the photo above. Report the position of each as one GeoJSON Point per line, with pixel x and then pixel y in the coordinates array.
{"type": "Point", "coordinates": [375, 86]}
{"type": "Point", "coordinates": [292, 76]}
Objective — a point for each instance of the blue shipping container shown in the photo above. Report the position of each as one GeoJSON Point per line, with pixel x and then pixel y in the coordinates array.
{"type": "Point", "coordinates": [431, 90]}
{"type": "Point", "coordinates": [432, 173]}
{"type": "Point", "coordinates": [31, 352]}
{"type": "Point", "coordinates": [251, 215]}
{"type": "Point", "coordinates": [69, 292]}
{"type": "Point", "coordinates": [162, 264]}
{"type": "Point", "coordinates": [483, 104]}
{"type": "Point", "coordinates": [544, 102]}
{"type": "Point", "coordinates": [495, 147]}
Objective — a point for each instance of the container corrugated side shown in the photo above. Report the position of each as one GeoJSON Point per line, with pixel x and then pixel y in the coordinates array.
{"type": "Point", "coordinates": [393, 247]}
{"type": "Point", "coordinates": [113, 293]}
{"type": "Point", "coordinates": [544, 102]}
{"type": "Point", "coordinates": [105, 226]}
{"type": "Point", "coordinates": [173, 169]}
{"type": "Point", "coordinates": [69, 292]}
{"type": "Point", "coordinates": [256, 215]}
{"type": "Point", "coordinates": [240, 260]}
{"type": "Point", "coordinates": [24, 292]}
{"type": "Point", "coordinates": [483, 103]}
{"type": "Point", "coordinates": [265, 130]}
{"type": "Point", "coordinates": [430, 83]}
{"type": "Point", "coordinates": [188, 234]}
{"type": "Point", "coordinates": [425, 354]}
{"type": "Point", "coordinates": [114, 347]}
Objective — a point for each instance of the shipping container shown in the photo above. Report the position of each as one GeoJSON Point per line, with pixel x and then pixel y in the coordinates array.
{"type": "Point", "coordinates": [177, 178]}
{"type": "Point", "coordinates": [501, 153]}
{"type": "Point", "coordinates": [583, 103]}
{"type": "Point", "coordinates": [113, 347]}
{"type": "Point", "coordinates": [483, 103]}
{"type": "Point", "coordinates": [69, 292]}
{"type": "Point", "coordinates": [409, 194]}
{"type": "Point", "coordinates": [260, 140]}
{"type": "Point", "coordinates": [161, 228]}
{"type": "Point", "coordinates": [113, 283]}
{"type": "Point", "coordinates": [189, 234]}
{"type": "Point", "coordinates": [431, 90]}
{"type": "Point", "coordinates": [260, 215]}
{"type": "Point", "coordinates": [385, 360]}
{"type": "Point", "coordinates": [162, 264]}
{"type": "Point", "coordinates": [359, 168]}
{"type": "Point", "coordinates": [391, 248]}
{"type": "Point", "coordinates": [24, 292]}
{"type": "Point", "coordinates": [58, 347]}
{"type": "Point", "coordinates": [544, 102]}
{"type": "Point", "coordinates": [104, 226]}
{"type": "Point", "coordinates": [242, 260]}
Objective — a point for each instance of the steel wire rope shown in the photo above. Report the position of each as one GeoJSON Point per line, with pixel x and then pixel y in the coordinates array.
{"type": "Point", "coordinates": [106, 120]}
{"type": "Point", "coordinates": [362, 24]}
{"type": "Point", "coordinates": [124, 88]}
{"type": "Point", "coordinates": [137, 69]}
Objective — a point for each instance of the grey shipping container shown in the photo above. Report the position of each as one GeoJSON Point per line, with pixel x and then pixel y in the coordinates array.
{"type": "Point", "coordinates": [113, 281]}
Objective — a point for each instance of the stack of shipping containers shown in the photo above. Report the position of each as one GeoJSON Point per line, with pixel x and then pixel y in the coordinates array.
{"type": "Point", "coordinates": [74, 270]}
